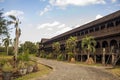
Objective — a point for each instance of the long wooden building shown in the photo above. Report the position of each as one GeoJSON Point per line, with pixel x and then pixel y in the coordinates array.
{"type": "Point", "coordinates": [105, 30]}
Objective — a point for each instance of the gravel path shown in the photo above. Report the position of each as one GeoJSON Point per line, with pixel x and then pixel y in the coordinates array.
{"type": "Point", "coordinates": [68, 71]}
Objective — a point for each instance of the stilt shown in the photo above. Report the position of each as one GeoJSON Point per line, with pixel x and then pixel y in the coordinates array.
{"type": "Point", "coordinates": [81, 58]}
{"type": "Point", "coordinates": [103, 57]}
{"type": "Point", "coordinates": [113, 59]}
{"type": "Point", "coordinates": [95, 58]}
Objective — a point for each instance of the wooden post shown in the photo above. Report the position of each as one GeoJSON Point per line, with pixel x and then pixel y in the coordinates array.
{"type": "Point", "coordinates": [103, 57]}
{"type": "Point", "coordinates": [113, 58]}
{"type": "Point", "coordinates": [95, 58]}
{"type": "Point", "coordinates": [81, 58]}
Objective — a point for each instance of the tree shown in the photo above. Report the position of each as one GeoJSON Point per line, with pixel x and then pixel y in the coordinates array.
{"type": "Point", "coordinates": [7, 41]}
{"type": "Point", "coordinates": [71, 44]}
{"type": "Point", "coordinates": [16, 22]}
{"type": "Point", "coordinates": [56, 47]}
{"type": "Point", "coordinates": [3, 24]}
{"type": "Point", "coordinates": [88, 44]}
{"type": "Point", "coordinates": [31, 47]}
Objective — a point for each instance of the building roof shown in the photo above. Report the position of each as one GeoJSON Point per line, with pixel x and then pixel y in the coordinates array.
{"type": "Point", "coordinates": [88, 25]}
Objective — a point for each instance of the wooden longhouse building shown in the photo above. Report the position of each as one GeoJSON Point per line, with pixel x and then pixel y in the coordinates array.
{"type": "Point", "coordinates": [106, 32]}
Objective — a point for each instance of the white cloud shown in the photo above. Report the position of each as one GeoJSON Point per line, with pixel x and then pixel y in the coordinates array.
{"type": "Point", "coordinates": [46, 9]}
{"type": "Point", "coordinates": [16, 13]}
{"type": "Point", "coordinates": [61, 26]}
{"type": "Point", "coordinates": [55, 23]}
{"type": "Point", "coordinates": [63, 30]}
{"type": "Point", "coordinates": [64, 3]}
{"type": "Point", "coordinates": [98, 16]}
{"type": "Point", "coordinates": [113, 1]}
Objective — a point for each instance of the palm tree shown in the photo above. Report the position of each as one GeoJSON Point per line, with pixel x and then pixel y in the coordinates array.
{"type": "Point", "coordinates": [16, 22]}
{"type": "Point", "coordinates": [71, 44]}
{"type": "Point", "coordinates": [56, 47]}
{"type": "Point", "coordinates": [7, 41]}
{"type": "Point", "coordinates": [3, 25]}
{"type": "Point", "coordinates": [88, 44]}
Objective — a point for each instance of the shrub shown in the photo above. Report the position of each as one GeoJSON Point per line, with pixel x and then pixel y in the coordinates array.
{"type": "Point", "coordinates": [70, 55]}
{"type": "Point", "coordinates": [24, 57]}
{"type": "Point", "coordinates": [42, 55]}
{"type": "Point", "coordinates": [61, 57]}
{"type": "Point", "coordinates": [49, 56]}
{"type": "Point", "coordinates": [7, 67]}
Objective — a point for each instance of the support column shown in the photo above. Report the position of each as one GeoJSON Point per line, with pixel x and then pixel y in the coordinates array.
{"type": "Point", "coordinates": [81, 58]}
{"type": "Point", "coordinates": [103, 57]}
{"type": "Point", "coordinates": [95, 58]}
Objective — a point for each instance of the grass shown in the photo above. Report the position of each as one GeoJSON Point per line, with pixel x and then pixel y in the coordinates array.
{"type": "Point", "coordinates": [115, 71]}
{"type": "Point", "coordinates": [43, 70]}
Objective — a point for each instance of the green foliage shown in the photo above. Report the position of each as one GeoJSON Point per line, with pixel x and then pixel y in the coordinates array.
{"type": "Point", "coordinates": [71, 55]}
{"type": "Point", "coordinates": [3, 25]}
{"type": "Point", "coordinates": [32, 47]}
{"type": "Point", "coordinates": [71, 44]}
{"type": "Point", "coordinates": [56, 47]}
{"type": "Point", "coordinates": [49, 56]}
{"type": "Point", "coordinates": [7, 67]}
{"type": "Point", "coordinates": [61, 57]}
{"type": "Point", "coordinates": [42, 54]}
{"type": "Point", "coordinates": [22, 64]}
{"type": "Point", "coordinates": [88, 44]}
{"type": "Point", "coordinates": [24, 57]}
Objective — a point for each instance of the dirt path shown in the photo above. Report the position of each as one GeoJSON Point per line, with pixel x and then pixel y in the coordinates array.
{"type": "Point", "coordinates": [66, 71]}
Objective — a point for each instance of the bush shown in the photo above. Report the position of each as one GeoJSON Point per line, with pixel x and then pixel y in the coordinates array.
{"type": "Point", "coordinates": [70, 55]}
{"type": "Point", "coordinates": [24, 57]}
{"type": "Point", "coordinates": [49, 56]}
{"type": "Point", "coordinates": [42, 54]}
{"type": "Point", "coordinates": [61, 57]}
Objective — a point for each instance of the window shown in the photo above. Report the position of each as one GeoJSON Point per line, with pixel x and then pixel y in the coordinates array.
{"type": "Point", "coordinates": [86, 32]}
{"type": "Point", "coordinates": [110, 24]}
{"type": "Point", "coordinates": [97, 28]}
{"type": "Point", "coordinates": [91, 30]}
{"type": "Point", "coordinates": [102, 27]}
{"type": "Point", "coordinates": [82, 33]}
{"type": "Point", "coordinates": [117, 22]}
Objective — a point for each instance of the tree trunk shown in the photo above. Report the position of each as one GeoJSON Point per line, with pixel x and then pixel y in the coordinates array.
{"type": "Point", "coordinates": [88, 55]}
{"type": "Point", "coordinates": [16, 42]}
{"type": "Point", "coordinates": [7, 50]}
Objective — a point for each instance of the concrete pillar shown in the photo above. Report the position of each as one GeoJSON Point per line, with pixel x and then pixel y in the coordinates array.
{"type": "Point", "coordinates": [103, 57]}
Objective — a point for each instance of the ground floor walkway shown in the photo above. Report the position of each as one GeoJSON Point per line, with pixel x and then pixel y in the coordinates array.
{"type": "Point", "coordinates": [68, 71]}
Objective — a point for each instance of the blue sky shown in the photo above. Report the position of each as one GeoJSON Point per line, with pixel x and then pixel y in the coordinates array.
{"type": "Point", "coordinates": [48, 18]}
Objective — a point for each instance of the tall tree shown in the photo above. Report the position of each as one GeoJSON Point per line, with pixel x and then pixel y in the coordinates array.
{"type": "Point", "coordinates": [16, 22]}
{"type": "Point", "coordinates": [56, 47]}
{"type": "Point", "coordinates": [3, 24]}
{"type": "Point", "coordinates": [88, 45]}
{"type": "Point", "coordinates": [7, 42]}
{"type": "Point", "coordinates": [71, 44]}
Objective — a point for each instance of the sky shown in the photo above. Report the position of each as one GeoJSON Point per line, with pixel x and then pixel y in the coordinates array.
{"type": "Point", "coordinates": [49, 18]}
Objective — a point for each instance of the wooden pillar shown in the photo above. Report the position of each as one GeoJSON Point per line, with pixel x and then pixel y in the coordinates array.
{"type": "Point", "coordinates": [103, 57]}
{"type": "Point", "coordinates": [95, 58]}
{"type": "Point", "coordinates": [81, 58]}
{"type": "Point", "coordinates": [113, 56]}
{"type": "Point", "coordinates": [113, 59]}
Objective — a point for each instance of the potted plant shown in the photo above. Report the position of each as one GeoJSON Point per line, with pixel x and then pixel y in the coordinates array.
{"type": "Point", "coordinates": [7, 71]}
{"type": "Point", "coordinates": [22, 68]}
{"type": "Point", "coordinates": [71, 57]}
{"type": "Point", "coordinates": [30, 67]}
